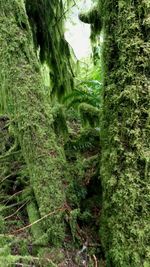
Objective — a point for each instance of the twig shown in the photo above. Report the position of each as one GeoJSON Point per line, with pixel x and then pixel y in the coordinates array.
{"type": "Point", "coordinates": [95, 261]}
{"type": "Point", "coordinates": [16, 210]}
{"type": "Point", "coordinates": [17, 193]}
{"type": "Point", "coordinates": [64, 14]}
{"type": "Point", "coordinates": [9, 154]}
{"type": "Point", "coordinates": [12, 205]}
{"type": "Point", "coordinates": [45, 216]}
{"type": "Point", "coordinates": [94, 245]}
{"type": "Point", "coordinates": [23, 265]}
{"type": "Point", "coordinates": [7, 177]}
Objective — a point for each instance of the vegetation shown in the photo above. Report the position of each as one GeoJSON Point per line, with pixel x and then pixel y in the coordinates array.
{"type": "Point", "coordinates": [124, 133]}
{"type": "Point", "coordinates": [74, 136]}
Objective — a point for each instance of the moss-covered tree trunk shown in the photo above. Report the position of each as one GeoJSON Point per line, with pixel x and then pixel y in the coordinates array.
{"type": "Point", "coordinates": [30, 112]}
{"type": "Point", "coordinates": [125, 138]}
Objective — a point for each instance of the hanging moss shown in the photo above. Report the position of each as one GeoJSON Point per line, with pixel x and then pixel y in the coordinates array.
{"type": "Point", "coordinates": [46, 20]}
{"type": "Point", "coordinates": [125, 165]}
{"type": "Point", "coordinates": [93, 17]}
{"type": "Point", "coordinates": [89, 114]}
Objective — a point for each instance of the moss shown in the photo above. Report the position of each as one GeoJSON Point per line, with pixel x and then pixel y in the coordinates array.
{"type": "Point", "coordinates": [31, 112]}
{"type": "Point", "coordinates": [47, 23]}
{"type": "Point", "coordinates": [87, 140]}
{"type": "Point", "coordinates": [89, 114]}
{"type": "Point", "coordinates": [60, 124]}
{"type": "Point", "coordinates": [124, 127]}
{"type": "Point", "coordinates": [38, 234]}
{"type": "Point", "coordinates": [93, 17]}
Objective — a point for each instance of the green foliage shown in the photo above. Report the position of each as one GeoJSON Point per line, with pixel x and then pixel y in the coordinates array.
{"type": "Point", "coordinates": [86, 98]}
{"type": "Point", "coordinates": [89, 115]}
{"type": "Point", "coordinates": [86, 140]}
{"type": "Point", "coordinates": [88, 92]}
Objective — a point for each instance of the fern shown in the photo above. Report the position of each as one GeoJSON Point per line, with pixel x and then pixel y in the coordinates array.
{"type": "Point", "coordinates": [84, 95]}
{"type": "Point", "coordinates": [88, 139]}
{"type": "Point", "coordinates": [86, 100]}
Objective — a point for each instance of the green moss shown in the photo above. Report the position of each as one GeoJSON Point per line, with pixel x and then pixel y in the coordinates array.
{"type": "Point", "coordinates": [32, 116]}
{"type": "Point", "coordinates": [38, 234]}
{"type": "Point", "coordinates": [89, 114]}
{"type": "Point", "coordinates": [60, 124]}
{"type": "Point", "coordinates": [47, 23]}
{"type": "Point", "coordinates": [93, 17]}
{"type": "Point", "coordinates": [125, 139]}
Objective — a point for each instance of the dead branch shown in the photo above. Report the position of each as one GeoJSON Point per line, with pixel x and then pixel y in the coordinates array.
{"type": "Point", "coordinates": [39, 220]}
{"type": "Point", "coordinates": [16, 211]}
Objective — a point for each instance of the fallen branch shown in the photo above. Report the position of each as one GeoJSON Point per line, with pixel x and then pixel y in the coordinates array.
{"type": "Point", "coordinates": [16, 210]}
{"type": "Point", "coordinates": [39, 220]}
{"type": "Point", "coordinates": [7, 200]}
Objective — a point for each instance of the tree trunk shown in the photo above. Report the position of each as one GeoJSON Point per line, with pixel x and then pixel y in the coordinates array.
{"type": "Point", "coordinates": [30, 112]}
{"type": "Point", "coordinates": [125, 227]}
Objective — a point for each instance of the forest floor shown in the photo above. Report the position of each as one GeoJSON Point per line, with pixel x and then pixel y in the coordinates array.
{"type": "Point", "coordinates": [81, 246]}
{"type": "Point", "coordinates": [22, 250]}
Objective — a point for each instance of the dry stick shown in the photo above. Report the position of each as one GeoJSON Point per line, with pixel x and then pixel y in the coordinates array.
{"type": "Point", "coordinates": [17, 193]}
{"type": "Point", "coordinates": [45, 216]}
{"type": "Point", "coordinates": [7, 177]}
{"type": "Point", "coordinates": [16, 211]}
{"type": "Point", "coordinates": [13, 205]}
{"type": "Point", "coordinates": [95, 261]}
{"type": "Point", "coordinates": [23, 265]}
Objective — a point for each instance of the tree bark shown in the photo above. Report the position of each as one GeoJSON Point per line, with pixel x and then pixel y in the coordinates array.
{"type": "Point", "coordinates": [30, 112]}
{"type": "Point", "coordinates": [125, 165]}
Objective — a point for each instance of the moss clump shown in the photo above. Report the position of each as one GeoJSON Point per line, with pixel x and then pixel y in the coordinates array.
{"type": "Point", "coordinates": [93, 17]}
{"type": "Point", "coordinates": [47, 23]}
